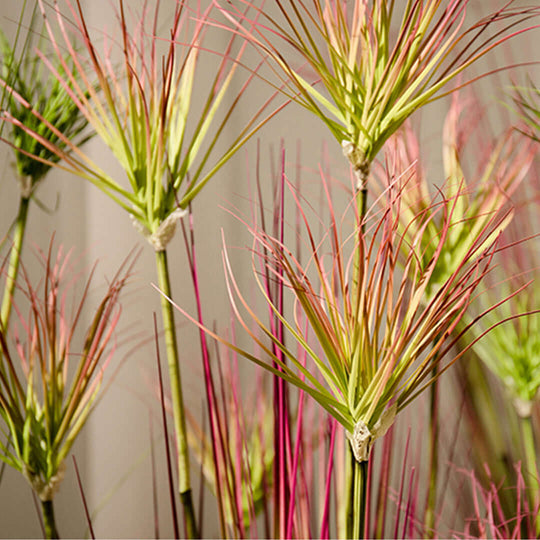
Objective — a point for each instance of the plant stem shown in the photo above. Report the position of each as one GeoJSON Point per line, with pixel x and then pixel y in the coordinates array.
{"type": "Point", "coordinates": [531, 475]}
{"type": "Point", "coordinates": [14, 259]}
{"type": "Point", "coordinates": [383, 496]}
{"type": "Point", "coordinates": [356, 497]}
{"type": "Point", "coordinates": [429, 516]}
{"type": "Point", "coordinates": [360, 498]}
{"type": "Point", "coordinates": [343, 527]}
{"type": "Point", "coordinates": [361, 205]}
{"type": "Point", "coordinates": [356, 473]}
{"type": "Point", "coordinates": [48, 519]}
{"type": "Point", "coordinates": [177, 397]}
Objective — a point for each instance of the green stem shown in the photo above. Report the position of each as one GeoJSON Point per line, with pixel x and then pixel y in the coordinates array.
{"type": "Point", "coordinates": [14, 260]}
{"type": "Point", "coordinates": [361, 204]}
{"type": "Point", "coordinates": [531, 473]}
{"type": "Point", "coordinates": [356, 473]}
{"type": "Point", "coordinates": [345, 524]}
{"type": "Point", "coordinates": [349, 493]}
{"type": "Point", "coordinates": [48, 519]}
{"type": "Point", "coordinates": [177, 397]}
{"type": "Point", "coordinates": [356, 497]}
{"type": "Point", "coordinates": [429, 516]}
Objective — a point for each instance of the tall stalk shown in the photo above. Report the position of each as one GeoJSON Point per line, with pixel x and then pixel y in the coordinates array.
{"type": "Point", "coordinates": [14, 259]}
{"type": "Point", "coordinates": [215, 427]}
{"type": "Point", "coordinates": [356, 475]}
{"type": "Point", "coordinates": [434, 431]}
{"type": "Point", "coordinates": [281, 408]}
{"type": "Point", "coordinates": [13, 268]}
{"type": "Point", "coordinates": [531, 475]}
{"type": "Point", "coordinates": [356, 507]}
{"type": "Point", "coordinates": [431, 501]}
{"type": "Point", "coordinates": [177, 396]}
{"type": "Point", "coordinates": [47, 510]}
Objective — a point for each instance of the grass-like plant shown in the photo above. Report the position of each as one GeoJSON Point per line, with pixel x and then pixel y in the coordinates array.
{"type": "Point", "coordinates": [498, 170]}
{"type": "Point", "coordinates": [474, 198]}
{"type": "Point", "coordinates": [261, 454]}
{"type": "Point", "coordinates": [488, 519]}
{"type": "Point", "coordinates": [28, 85]}
{"type": "Point", "coordinates": [367, 66]}
{"type": "Point", "coordinates": [49, 384]}
{"type": "Point", "coordinates": [236, 456]}
{"type": "Point", "coordinates": [512, 350]}
{"type": "Point", "coordinates": [347, 64]}
{"type": "Point", "coordinates": [143, 111]}
{"type": "Point", "coordinates": [239, 472]}
{"type": "Point", "coordinates": [377, 343]}
{"type": "Point", "coordinates": [363, 325]}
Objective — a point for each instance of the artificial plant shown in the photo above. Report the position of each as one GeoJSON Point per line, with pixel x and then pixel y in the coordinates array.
{"type": "Point", "coordinates": [144, 112]}
{"type": "Point", "coordinates": [28, 87]}
{"type": "Point", "coordinates": [49, 383]}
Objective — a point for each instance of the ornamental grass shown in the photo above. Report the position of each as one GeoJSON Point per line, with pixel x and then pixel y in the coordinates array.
{"type": "Point", "coordinates": [143, 113]}
{"type": "Point", "coordinates": [49, 383]}
{"type": "Point", "coordinates": [377, 334]}
{"type": "Point", "coordinates": [26, 86]}
{"type": "Point", "coordinates": [367, 284]}
{"type": "Point", "coordinates": [367, 66]}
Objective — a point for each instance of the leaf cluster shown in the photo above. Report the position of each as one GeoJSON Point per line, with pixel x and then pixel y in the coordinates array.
{"type": "Point", "coordinates": [143, 108]}
{"type": "Point", "coordinates": [479, 203]}
{"type": "Point", "coordinates": [29, 87]}
{"type": "Point", "coordinates": [48, 387]}
{"type": "Point", "coordinates": [512, 350]}
{"type": "Point", "coordinates": [372, 338]}
{"type": "Point", "coordinates": [359, 76]}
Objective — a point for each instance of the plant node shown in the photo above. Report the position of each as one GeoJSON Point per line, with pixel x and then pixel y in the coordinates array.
{"type": "Point", "coordinates": [44, 490]}
{"type": "Point", "coordinates": [362, 438]}
{"type": "Point", "coordinates": [164, 233]}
